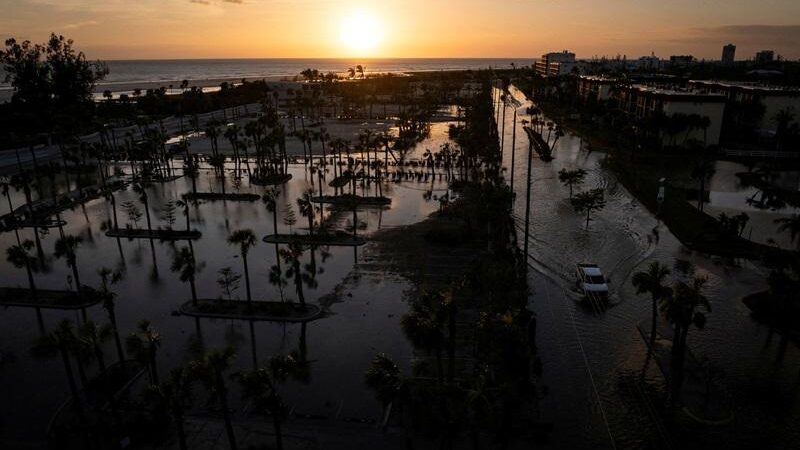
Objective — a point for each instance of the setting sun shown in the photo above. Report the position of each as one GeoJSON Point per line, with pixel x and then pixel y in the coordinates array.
{"type": "Point", "coordinates": [361, 32]}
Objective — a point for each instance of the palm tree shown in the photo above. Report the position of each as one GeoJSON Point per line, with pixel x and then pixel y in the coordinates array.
{"type": "Point", "coordinates": [306, 206]}
{"type": "Point", "coordinates": [210, 370]}
{"type": "Point", "coordinates": [790, 225]}
{"type": "Point", "coordinates": [184, 203]}
{"type": "Point", "coordinates": [702, 172]}
{"type": "Point", "coordinates": [424, 325]}
{"type": "Point", "coordinates": [109, 277]}
{"type": "Point", "coordinates": [175, 395]}
{"type": "Point", "coordinates": [67, 247]}
{"type": "Point", "coordinates": [261, 386]}
{"type": "Point", "coordinates": [19, 256]}
{"type": "Point", "coordinates": [245, 239]}
{"type": "Point", "coordinates": [141, 189]}
{"type": "Point", "coordinates": [291, 255]}
{"type": "Point", "coordinates": [682, 307]}
{"type": "Point", "coordinates": [185, 265]}
{"type": "Point", "coordinates": [61, 341]}
{"type": "Point", "coordinates": [383, 377]}
{"type": "Point", "coordinates": [143, 345]}
{"type": "Point", "coordinates": [652, 281]}
{"type": "Point", "coordinates": [270, 201]}
{"type": "Point", "coordinates": [92, 338]}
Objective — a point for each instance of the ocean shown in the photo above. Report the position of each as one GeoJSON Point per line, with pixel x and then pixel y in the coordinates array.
{"type": "Point", "coordinates": [126, 75]}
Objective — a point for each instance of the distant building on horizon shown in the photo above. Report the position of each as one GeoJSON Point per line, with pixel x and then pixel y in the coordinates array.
{"type": "Point", "coordinates": [765, 56]}
{"type": "Point", "coordinates": [681, 60]}
{"type": "Point", "coordinates": [556, 63]}
{"type": "Point", "coordinates": [728, 54]}
{"type": "Point", "coordinates": [650, 63]}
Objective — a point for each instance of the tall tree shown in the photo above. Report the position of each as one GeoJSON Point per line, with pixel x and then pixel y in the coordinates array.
{"type": "Point", "coordinates": [790, 225]}
{"type": "Point", "coordinates": [187, 268]}
{"type": "Point", "coordinates": [175, 396]}
{"type": "Point", "coordinates": [651, 281]}
{"type": "Point", "coordinates": [67, 247]}
{"type": "Point", "coordinates": [702, 171]}
{"type": "Point", "coordinates": [686, 305]}
{"type": "Point", "coordinates": [571, 178]}
{"type": "Point", "coordinates": [210, 370]}
{"type": "Point", "coordinates": [261, 387]}
{"type": "Point", "coordinates": [589, 201]}
{"type": "Point", "coordinates": [143, 346]}
{"type": "Point", "coordinates": [109, 278]}
{"type": "Point", "coordinates": [246, 240]}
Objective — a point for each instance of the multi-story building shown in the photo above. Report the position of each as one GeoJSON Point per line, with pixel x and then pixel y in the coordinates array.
{"type": "Point", "coordinates": [765, 56]}
{"type": "Point", "coordinates": [728, 54]}
{"type": "Point", "coordinates": [774, 99]}
{"type": "Point", "coordinates": [650, 63]}
{"type": "Point", "coordinates": [556, 64]}
{"type": "Point", "coordinates": [643, 101]}
{"type": "Point", "coordinates": [599, 87]}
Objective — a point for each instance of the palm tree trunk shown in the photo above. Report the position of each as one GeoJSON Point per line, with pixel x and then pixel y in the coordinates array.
{"type": "Point", "coordinates": [178, 418]}
{"type": "Point", "coordinates": [194, 290]}
{"type": "Point", "coordinates": [112, 317]}
{"type": "Point", "coordinates": [226, 414]}
{"type": "Point", "coordinates": [653, 326]}
{"type": "Point", "coordinates": [247, 282]}
{"type": "Point", "coordinates": [276, 423]}
{"type": "Point", "coordinates": [75, 273]}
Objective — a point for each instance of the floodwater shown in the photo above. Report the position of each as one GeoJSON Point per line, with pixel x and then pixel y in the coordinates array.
{"type": "Point", "coordinates": [364, 306]}
{"type": "Point", "coordinates": [601, 393]}
{"type": "Point", "coordinates": [728, 195]}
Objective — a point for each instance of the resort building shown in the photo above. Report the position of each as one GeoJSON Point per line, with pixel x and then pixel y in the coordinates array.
{"type": "Point", "coordinates": [774, 99]}
{"type": "Point", "coordinates": [728, 54]}
{"type": "Point", "coordinates": [556, 64]}
{"type": "Point", "coordinates": [597, 87]}
{"type": "Point", "coordinates": [650, 63]}
{"type": "Point", "coordinates": [643, 101]}
{"type": "Point", "coordinates": [765, 56]}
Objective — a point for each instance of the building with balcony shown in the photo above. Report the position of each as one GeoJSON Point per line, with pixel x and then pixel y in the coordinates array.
{"type": "Point", "coordinates": [774, 99]}
{"type": "Point", "coordinates": [598, 87]}
{"type": "Point", "coordinates": [556, 64]}
{"type": "Point", "coordinates": [643, 101]}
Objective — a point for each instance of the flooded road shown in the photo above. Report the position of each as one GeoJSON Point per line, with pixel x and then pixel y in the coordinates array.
{"type": "Point", "coordinates": [602, 391]}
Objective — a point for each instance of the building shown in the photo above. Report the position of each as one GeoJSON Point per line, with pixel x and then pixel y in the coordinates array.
{"type": "Point", "coordinates": [728, 54]}
{"type": "Point", "coordinates": [650, 63]}
{"type": "Point", "coordinates": [765, 56]}
{"type": "Point", "coordinates": [773, 98]}
{"type": "Point", "coordinates": [681, 60]}
{"type": "Point", "coordinates": [556, 64]}
{"type": "Point", "coordinates": [597, 87]}
{"type": "Point", "coordinates": [644, 101]}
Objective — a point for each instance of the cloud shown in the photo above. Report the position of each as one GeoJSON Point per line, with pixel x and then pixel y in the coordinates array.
{"type": "Point", "coordinates": [786, 36]}
{"type": "Point", "coordinates": [208, 2]}
{"type": "Point", "coordinates": [76, 25]}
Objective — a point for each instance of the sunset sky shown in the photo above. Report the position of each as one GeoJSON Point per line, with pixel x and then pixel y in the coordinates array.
{"type": "Point", "coordinates": [141, 29]}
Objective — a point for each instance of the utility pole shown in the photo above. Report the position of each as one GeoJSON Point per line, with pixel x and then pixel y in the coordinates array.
{"type": "Point", "coordinates": [528, 204]}
{"type": "Point", "coordinates": [513, 153]}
